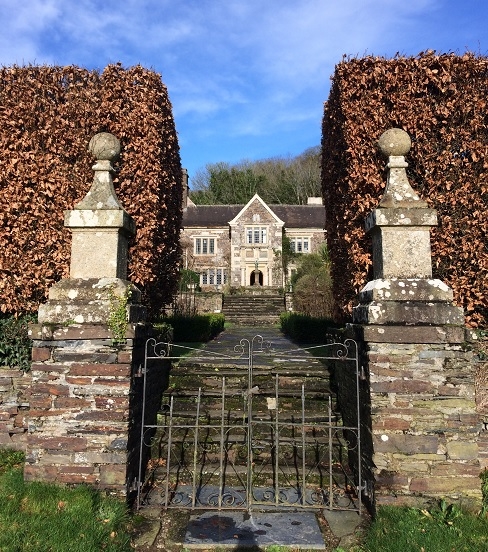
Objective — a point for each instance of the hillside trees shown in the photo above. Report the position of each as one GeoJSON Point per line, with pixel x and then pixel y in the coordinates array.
{"type": "Point", "coordinates": [277, 180]}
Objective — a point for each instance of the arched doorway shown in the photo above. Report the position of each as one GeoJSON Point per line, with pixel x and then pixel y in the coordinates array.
{"type": "Point", "coordinates": [256, 278]}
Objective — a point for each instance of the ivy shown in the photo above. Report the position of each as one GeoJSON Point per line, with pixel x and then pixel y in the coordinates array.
{"type": "Point", "coordinates": [118, 316]}
{"type": "Point", "coordinates": [15, 345]}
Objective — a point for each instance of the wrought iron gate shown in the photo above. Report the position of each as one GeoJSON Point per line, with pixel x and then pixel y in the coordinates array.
{"type": "Point", "coordinates": [249, 438]}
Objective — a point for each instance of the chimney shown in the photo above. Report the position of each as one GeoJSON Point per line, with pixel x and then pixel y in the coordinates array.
{"type": "Point", "coordinates": [184, 184]}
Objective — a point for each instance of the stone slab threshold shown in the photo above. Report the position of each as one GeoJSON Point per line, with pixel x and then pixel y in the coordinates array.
{"type": "Point", "coordinates": [233, 529]}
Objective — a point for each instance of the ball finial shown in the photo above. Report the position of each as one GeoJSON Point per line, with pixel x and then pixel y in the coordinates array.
{"type": "Point", "coordinates": [394, 142]}
{"type": "Point", "coordinates": [104, 146]}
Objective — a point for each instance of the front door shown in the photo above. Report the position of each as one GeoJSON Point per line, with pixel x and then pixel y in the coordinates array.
{"type": "Point", "coordinates": [256, 278]}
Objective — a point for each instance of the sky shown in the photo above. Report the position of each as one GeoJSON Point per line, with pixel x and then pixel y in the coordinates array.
{"type": "Point", "coordinates": [247, 79]}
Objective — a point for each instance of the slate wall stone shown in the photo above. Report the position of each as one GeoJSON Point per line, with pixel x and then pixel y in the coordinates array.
{"type": "Point", "coordinates": [81, 422]}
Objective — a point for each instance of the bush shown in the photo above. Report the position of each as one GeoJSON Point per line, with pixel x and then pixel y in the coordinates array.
{"type": "Point", "coordinates": [196, 328]}
{"type": "Point", "coordinates": [15, 345]}
{"type": "Point", "coordinates": [164, 331]}
{"type": "Point", "coordinates": [306, 329]}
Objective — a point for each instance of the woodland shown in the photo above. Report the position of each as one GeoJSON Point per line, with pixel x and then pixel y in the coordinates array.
{"type": "Point", "coordinates": [277, 180]}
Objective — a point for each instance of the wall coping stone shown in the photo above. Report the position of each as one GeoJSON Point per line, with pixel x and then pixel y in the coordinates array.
{"type": "Point", "coordinates": [406, 289]}
{"type": "Point", "coordinates": [373, 333]}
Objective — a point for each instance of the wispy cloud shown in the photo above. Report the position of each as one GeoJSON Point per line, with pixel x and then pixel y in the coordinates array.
{"type": "Point", "coordinates": [240, 73]}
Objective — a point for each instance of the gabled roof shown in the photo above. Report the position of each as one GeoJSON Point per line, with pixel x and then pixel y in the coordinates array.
{"type": "Point", "coordinates": [255, 199]}
{"type": "Point", "coordinates": [294, 216]}
{"type": "Point", "coordinates": [301, 216]}
{"type": "Point", "coordinates": [209, 215]}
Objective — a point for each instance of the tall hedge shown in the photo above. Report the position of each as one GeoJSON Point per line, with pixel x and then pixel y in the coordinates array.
{"type": "Point", "coordinates": [47, 117]}
{"type": "Point", "coordinates": [442, 102]}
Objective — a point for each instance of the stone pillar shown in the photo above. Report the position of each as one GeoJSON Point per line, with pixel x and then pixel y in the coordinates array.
{"type": "Point", "coordinates": [88, 348]}
{"type": "Point", "coordinates": [98, 270]}
{"type": "Point", "coordinates": [423, 435]}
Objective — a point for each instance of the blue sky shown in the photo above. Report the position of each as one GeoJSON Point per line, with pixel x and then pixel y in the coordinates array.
{"type": "Point", "coordinates": [247, 78]}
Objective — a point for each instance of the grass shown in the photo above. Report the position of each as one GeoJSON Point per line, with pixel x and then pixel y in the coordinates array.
{"type": "Point", "coordinates": [41, 517]}
{"type": "Point", "coordinates": [186, 348]}
{"type": "Point", "coordinates": [443, 528]}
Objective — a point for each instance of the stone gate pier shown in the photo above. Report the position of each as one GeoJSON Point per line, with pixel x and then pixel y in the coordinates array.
{"type": "Point", "coordinates": [88, 349]}
{"type": "Point", "coordinates": [423, 434]}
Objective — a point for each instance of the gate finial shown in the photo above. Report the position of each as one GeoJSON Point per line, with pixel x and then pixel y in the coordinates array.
{"type": "Point", "coordinates": [105, 147]}
{"type": "Point", "coordinates": [394, 144]}
{"type": "Point", "coordinates": [403, 291]}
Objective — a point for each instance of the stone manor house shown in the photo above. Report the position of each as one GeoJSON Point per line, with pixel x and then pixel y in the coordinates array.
{"type": "Point", "coordinates": [241, 245]}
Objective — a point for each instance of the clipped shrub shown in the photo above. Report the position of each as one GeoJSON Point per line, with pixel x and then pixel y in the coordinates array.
{"type": "Point", "coordinates": [306, 329]}
{"type": "Point", "coordinates": [441, 101]}
{"type": "Point", "coordinates": [202, 327]}
{"type": "Point", "coordinates": [47, 117]}
{"type": "Point", "coordinates": [312, 287]}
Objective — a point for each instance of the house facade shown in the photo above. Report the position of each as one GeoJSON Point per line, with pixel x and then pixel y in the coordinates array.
{"type": "Point", "coordinates": [242, 245]}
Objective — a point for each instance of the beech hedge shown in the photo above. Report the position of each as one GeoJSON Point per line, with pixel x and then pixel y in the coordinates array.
{"type": "Point", "coordinates": [47, 117]}
{"type": "Point", "coordinates": [441, 101]}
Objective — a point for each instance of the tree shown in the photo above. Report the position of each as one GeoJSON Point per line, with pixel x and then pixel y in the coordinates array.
{"type": "Point", "coordinates": [312, 285]}
{"type": "Point", "coordinates": [222, 184]}
{"type": "Point", "coordinates": [277, 180]}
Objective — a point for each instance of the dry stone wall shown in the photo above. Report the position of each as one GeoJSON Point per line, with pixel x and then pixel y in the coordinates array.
{"type": "Point", "coordinates": [425, 426]}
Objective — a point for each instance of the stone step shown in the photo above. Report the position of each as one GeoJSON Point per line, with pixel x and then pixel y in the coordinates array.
{"type": "Point", "coordinates": [198, 372]}
{"type": "Point", "coordinates": [321, 431]}
{"type": "Point", "coordinates": [256, 321]}
{"type": "Point", "coordinates": [253, 310]}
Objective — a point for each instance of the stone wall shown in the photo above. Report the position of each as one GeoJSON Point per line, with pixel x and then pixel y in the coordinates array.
{"type": "Point", "coordinates": [84, 406]}
{"type": "Point", "coordinates": [425, 425]}
{"type": "Point", "coordinates": [14, 405]}
{"type": "Point", "coordinates": [423, 434]}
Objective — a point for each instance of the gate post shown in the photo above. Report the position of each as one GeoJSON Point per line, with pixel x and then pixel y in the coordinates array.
{"type": "Point", "coordinates": [423, 438]}
{"type": "Point", "coordinates": [87, 348]}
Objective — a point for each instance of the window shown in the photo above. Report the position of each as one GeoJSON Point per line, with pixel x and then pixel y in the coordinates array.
{"type": "Point", "coordinates": [213, 277]}
{"type": "Point", "coordinates": [204, 246]}
{"type": "Point", "coordinates": [256, 234]}
{"type": "Point", "coordinates": [300, 245]}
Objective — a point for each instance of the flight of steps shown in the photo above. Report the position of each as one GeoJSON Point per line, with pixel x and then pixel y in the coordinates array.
{"type": "Point", "coordinates": [186, 379]}
{"type": "Point", "coordinates": [253, 310]}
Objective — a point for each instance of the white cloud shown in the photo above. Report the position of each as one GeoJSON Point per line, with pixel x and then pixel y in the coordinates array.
{"type": "Point", "coordinates": [22, 23]}
{"type": "Point", "coordinates": [233, 67]}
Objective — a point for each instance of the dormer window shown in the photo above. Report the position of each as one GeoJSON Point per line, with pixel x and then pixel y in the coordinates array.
{"type": "Point", "coordinates": [256, 234]}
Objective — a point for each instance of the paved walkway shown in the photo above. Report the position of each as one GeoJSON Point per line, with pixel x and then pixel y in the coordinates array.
{"type": "Point", "coordinates": [270, 348]}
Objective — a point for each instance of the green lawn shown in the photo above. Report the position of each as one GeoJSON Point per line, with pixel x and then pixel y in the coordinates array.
{"type": "Point", "coordinates": [443, 528]}
{"type": "Point", "coordinates": [40, 517]}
